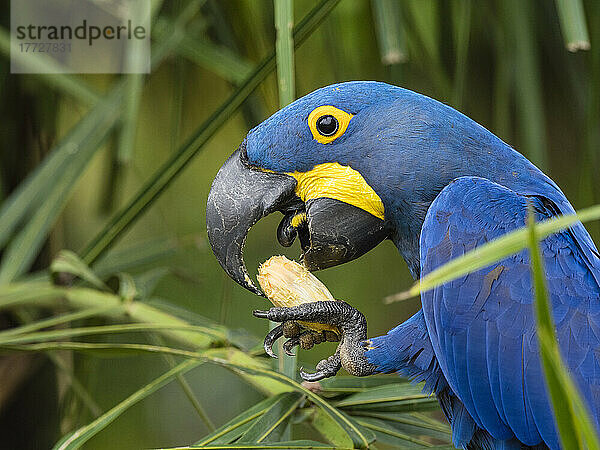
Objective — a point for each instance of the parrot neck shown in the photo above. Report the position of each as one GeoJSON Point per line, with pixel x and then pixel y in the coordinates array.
{"type": "Point", "coordinates": [406, 237]}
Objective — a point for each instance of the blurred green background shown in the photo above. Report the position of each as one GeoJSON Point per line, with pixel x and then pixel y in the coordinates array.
{"type": "Point", "coordinates": [504, 63]}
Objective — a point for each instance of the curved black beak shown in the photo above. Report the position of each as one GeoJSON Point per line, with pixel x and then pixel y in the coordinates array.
{"type": "Point", "coordinates": [238, 198]}
{"type": "Point", "coordinates": [331, 232]}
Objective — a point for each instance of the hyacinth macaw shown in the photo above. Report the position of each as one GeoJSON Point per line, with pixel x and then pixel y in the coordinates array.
{"type": "Point", "coordinates": [352, 164]}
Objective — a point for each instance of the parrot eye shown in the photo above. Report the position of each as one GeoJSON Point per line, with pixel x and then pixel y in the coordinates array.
{"type": "Point", "coordinates": [327, 125]}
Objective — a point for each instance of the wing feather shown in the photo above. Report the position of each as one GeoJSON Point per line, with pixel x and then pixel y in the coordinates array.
{"type": "Point", "coordinates": [482, 326]}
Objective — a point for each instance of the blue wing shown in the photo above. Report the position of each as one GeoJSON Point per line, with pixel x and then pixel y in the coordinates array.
{"type": "Point", "coordinates": [482, 326]}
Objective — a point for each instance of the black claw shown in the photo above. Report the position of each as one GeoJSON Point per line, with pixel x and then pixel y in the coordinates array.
{"type": "Point", "coordinates": [271, 338]}
{"type": "Point", "coordinates": [290, 344]}
{"type": "Point", "coordinates": [260, 314]}
{"type": "Point", "coordinates": [313, 376]}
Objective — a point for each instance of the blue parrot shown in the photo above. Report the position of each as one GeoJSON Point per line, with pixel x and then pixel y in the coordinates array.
{"type": "Point", "coordinates": [355, 163]}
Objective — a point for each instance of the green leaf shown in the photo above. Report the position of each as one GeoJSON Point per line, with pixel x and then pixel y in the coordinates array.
{"type": "Point", "coordinates": [233, 429]}
{"type": "Point", "coordinates": [274, 419]}
{"type": "Point", "coordinates": [146, 282]}
{"type": "Point", "coordinates": [387, 393]}
{"type": "Point", "coordinates": [462, 13]}
{"type": "Point", "coordinates": [77, 438]}
{"type": "Point", "coordinates": [390, 435]}
{"type": "Point", "coordinates": [54, 321]}
{"type": "Point", "coordinates": [30, 293]}
{"type": "Point", "coordinates": [529, 91]}
{"type": "Point", "coordinates": [573, 420]}
{"type": "Point", "coordinates": [234, 359]}
{"type": "Point", "coordinates": [215, 58]}
{"type": "Point", "coordinates": [68, 262]}
{"type": "Point", "coordinates": [44, 336]}
{"type": "Point", "coordinates": [301, 444]}
{"type": "Point", "coordinates": [44, 294]}
{"type": "Point", "coordinates": [348, 384]}
{"type": "Point", "coordinates": [138, 255]}
{"type": "Point", "coordinates": [134, 83]}
{"type": "Point", "coordinates": [408, 405]}
{"type": "Point", "coordinates": [350, 427]}
{"type": "Point", "coordinates": [494, 251]}
{"type": "Point", "coordinates": [387, 16]}
{"type": "Point", "coordinates": [330, 429]}
{"type": "Point", "coordinates": [284, 47]}
{"type": "Point", "coordinates": [284, 50]}
{"type": "Point", "coordinates": [572, 24]}
{"type": "Point", "coordinates": [412, 424]}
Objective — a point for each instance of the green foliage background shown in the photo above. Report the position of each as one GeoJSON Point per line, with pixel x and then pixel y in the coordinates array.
{"type": "Point", "coordinates": [503, 63]}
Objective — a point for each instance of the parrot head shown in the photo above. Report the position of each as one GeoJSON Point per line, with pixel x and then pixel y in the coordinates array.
{"type": "Point", "coordinates": [348, 166]}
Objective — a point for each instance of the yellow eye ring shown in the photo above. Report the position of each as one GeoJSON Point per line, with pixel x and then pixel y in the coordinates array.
{"type": "Point", "coordinates": [325, 113]}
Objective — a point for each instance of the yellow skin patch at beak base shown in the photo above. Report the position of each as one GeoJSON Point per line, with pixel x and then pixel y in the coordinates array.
{"type": "Point", "coordinates": [338, 182]}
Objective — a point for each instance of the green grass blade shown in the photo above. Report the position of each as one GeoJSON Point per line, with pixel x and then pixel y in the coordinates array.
{"type": "Point", "coordinates": [420, 404]}
{"type": "Point", "coordinates": [330, 429]}
{"type": "Point", "coordinates": [137, 255]}
{"type": "Point", "coordinates": [169, 171]}
{"type": "Point", "coordinates": [572, 24]}
{"type": "Point", "coordinates": [216, 58]}
{"type": "Point", "coordinates": [185, 385]}
{"type": "Point", "coordinates": [494, 251]}
{"type": "Point", "coordinates": [387, 16]}
{"type": "Point", "coordinates": [42, 336]}
{"type": "Point", "coordinates": [275, 418]}
{"type": "Point", "coordinates": [392, 435]}
{"type": "Point", "coordinates": [412, 424]}
{"type": "Point", "coordinates": [48, 71]}
{"type": "Point", "coordinates": [227, 433]}
{"type": "Point", "coordinates": [44, 294]}
{"type": "Point", "coordinates": [68, 262]}
{"type": "Point", "coordinates": [344, 385]}
{"type": "Point", "coordinates": [462, 12]}
{"type": "Point", "coordinates": [77, 387]}
{"type": "Point", "coordinates": [104, 349]}
{"type": "Point", "coordinates": [574, 423]}
{"type": "Point", "coordinates": [528, 83]}
{"type": "Point", "coordinates": [284, 49]}
{"type": "Point", "coordinates": [55, 321]}
{"type": "Point", "coordinates": [387, 393]}
{"type": "Point", "coordinates": [350, 427]}
{"type": "Point", "coordinates": [134, 83]}
{"type": "Point", "coordinates": [293, 445]}
{"type": "Point", "coordinates": [503, 80]}
{"type": "Point", "coordinates": [76, 439]}
{"type": "Point", "coordinates": [392, 398]}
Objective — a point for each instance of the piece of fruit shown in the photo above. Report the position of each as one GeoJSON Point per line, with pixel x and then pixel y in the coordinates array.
{"type": "Point", "coordinates": [287, 283]}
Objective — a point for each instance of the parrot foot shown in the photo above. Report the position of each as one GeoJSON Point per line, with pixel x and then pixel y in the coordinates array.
{"type": "Point", "coordinates": [296, 335]}
{"type": "Point", "coordinates": [325, 368]}
{"type": "Point", "coordinates": [350, 353]}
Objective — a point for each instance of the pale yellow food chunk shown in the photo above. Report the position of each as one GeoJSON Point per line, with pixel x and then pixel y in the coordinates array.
{"type": "Point", "coordinates": [287, 283]}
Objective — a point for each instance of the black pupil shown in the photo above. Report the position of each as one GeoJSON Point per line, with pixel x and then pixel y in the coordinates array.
{"type": "Point", "coordinates": [327, 125]}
